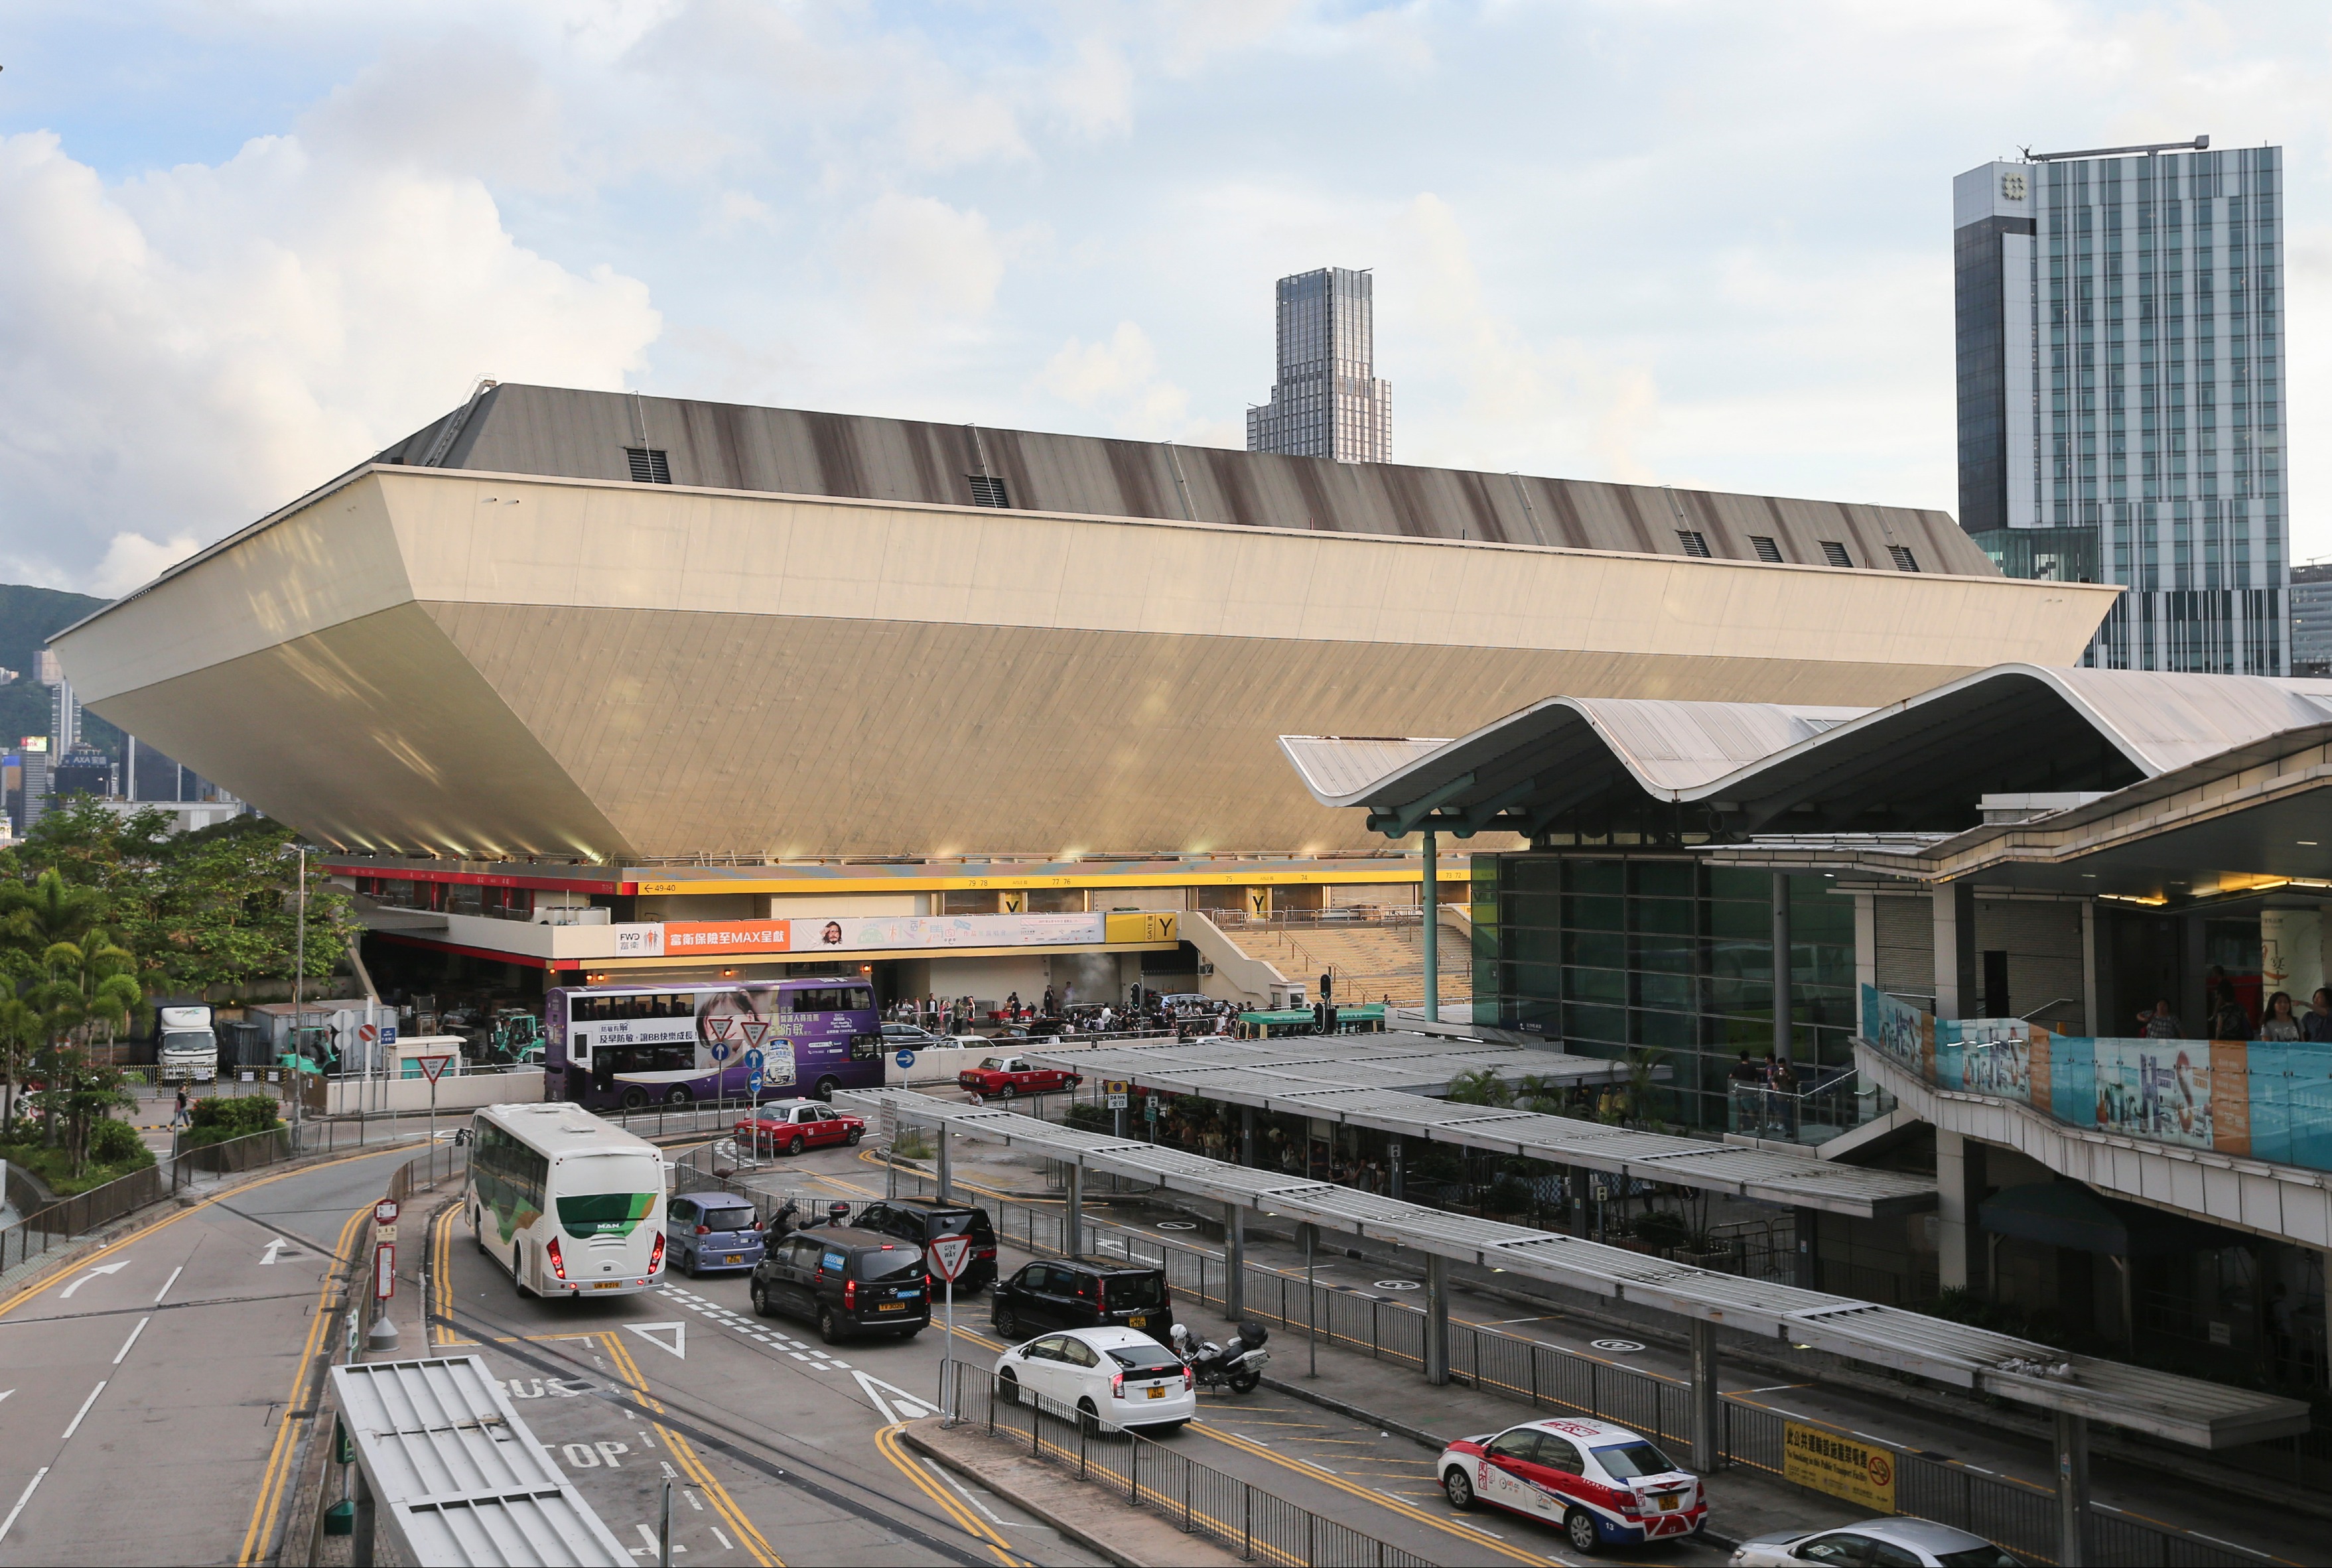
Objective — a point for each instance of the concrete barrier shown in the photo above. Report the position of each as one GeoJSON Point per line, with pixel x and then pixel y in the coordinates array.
{"type": "Point", "coordinates": [455, 1092]}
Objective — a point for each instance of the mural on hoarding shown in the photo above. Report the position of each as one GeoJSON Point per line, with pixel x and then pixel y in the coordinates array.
{"type": "Point", "coordinates": [2264, 1099]}
{"type": "Point", "coordinates": [861, 934]}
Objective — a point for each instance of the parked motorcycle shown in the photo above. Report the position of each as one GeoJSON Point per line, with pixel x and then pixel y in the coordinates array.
{"type": "Point", "coordinates": [1238, 1366]}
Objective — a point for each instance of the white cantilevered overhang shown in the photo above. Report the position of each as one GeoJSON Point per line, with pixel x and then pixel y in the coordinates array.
{"type": "Point", "coordinates": [1342, 1078]}
{"type": "Point", "coordinates": [2178, 1409]}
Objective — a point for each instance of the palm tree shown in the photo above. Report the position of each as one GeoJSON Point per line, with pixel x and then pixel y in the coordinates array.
{"type": "Point", "coordinates": [51, 910]}
{"type": "Point", "coordinates": [86, 985]}
{"type": "Point", "coordinates": [1482, 1087]}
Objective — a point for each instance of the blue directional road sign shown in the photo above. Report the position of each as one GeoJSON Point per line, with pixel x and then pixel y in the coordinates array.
{"type": "Point", "coordinates": [720, 1049]}
{"type": "Point", "coordinates": [905, 1059]}
{"type": "Point", "coordinates": [754, 1059]}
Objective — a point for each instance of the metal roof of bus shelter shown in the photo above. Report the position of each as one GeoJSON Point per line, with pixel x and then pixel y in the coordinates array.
{"type": "Point", "coordinates": [2180, 1409]}
{"type": "Point", "coordinates": [457, 1476]}
{"type": "Point", "coordinates": [1337, 1079]}
{"type": "Point", "coordinates": [1922, 763]}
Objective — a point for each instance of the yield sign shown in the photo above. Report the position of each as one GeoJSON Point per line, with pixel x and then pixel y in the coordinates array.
{"type": "Point", "coordinates": [756, 1031]}
{"type": "Point", "coordinates": [720, 1028]}
{"type": "Point", "coordinates": [431, 1066]}
{"type": "Point", "coordinates": [949, 1255]}
{"type": "Point", "coordinates": [678, 1344]}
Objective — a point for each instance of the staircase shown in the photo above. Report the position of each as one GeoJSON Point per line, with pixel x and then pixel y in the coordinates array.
{"type": "Point", "coordinates": [1368, 962]}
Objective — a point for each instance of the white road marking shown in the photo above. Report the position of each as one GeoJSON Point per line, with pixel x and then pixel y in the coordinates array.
{"type": "Point", "coordinates": [66, 1293]}
{"type": "Point", "coordinates": [650, 1549]}
{"type": "Point", "coordinates": [726, 1544]}
{"type": "Point", "coordinates": [169, 1283]}
{"type": "Point", "coordinates": [691, 1495]}
{"type": "Point", "coordinates": [80, 1412]}
{"type": "Point", "coordinates": [131, 1340]}
{"type": "Point", "coordinates": [274, 1250]}
{"type": "Point", "coordinates": [941, 1473]}
{"type": "Point", "coordinates": [677, 1345]}
{"type": "Point", "coordinates": [9, 1523]}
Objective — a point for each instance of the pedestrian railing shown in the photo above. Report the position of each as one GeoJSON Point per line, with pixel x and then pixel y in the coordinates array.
{"type": "Point", "coordinates": [79, 1215]}
{"type": "Point", "coordinates": [1193, 1496]}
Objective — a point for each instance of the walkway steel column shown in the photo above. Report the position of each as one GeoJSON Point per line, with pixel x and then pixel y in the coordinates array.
{"type": "Point", "coordinates": [1073, 1233]}
{"type": "Point", "coordinates": [947, 1176]}
{"type": "Point", "coordinates": [1783, 1009]}
{"type": "Point", "coordinates": [2072, 1487]}
{"type": "Point", "coordinates": [1432, 915]}
{"type": "Point", "coordinates": [1437, 1320]}
{"type": "Point", "coordinates": [1955, 959]}
{"type": "Point", "coordinates": [1246, 1135]}
{"type": "Point", "coordinates": [1960, 1184]}
{"type": "Point", "coordinates": [1234, 1260]}
{"type": "Point", "coordinates": [1707, 1413]}
{"type": "Point", "coordinates": [1395, 1178]}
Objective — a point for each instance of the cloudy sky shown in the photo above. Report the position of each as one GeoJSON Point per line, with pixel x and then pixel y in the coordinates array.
{"type": "Point", "coordinates": [244, 243]}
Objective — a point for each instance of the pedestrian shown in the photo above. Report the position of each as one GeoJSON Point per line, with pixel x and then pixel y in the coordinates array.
{"type": "Point", "coordinates": [2279, 1024]}
{"type": "Point", "coordinates": [2229, 1022]}
{"type": "Point", "coordinates": [184, 1115]}
{"type": "Point", "coordinates": [2160, 1024]}
{"type": "Point", "coordinates": [2315, 1024]}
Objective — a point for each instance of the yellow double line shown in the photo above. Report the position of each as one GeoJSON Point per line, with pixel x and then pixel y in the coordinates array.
{"type": "Point", "coordinates": [691, 1465]}
{"type": "Point", "coordinates": [1480, 1538]}
{"type": "Point", "coordinates": [886, 1442]}
{"type": "Point", "coordinates": [277, 1476]}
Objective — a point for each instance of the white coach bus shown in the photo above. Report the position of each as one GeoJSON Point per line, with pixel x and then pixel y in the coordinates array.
{"type": "Point", "coordinates": [570, 1205]}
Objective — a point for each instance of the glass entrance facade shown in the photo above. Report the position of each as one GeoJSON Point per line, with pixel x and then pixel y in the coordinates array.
{"type": "Point", "coordinates": [1664, 955]}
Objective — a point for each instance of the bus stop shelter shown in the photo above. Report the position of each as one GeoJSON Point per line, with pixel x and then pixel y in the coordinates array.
{"type": "Point", "coordinates": [2075, 1390]}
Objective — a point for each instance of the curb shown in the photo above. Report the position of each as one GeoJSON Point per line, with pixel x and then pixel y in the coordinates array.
{"type": "Point", "coordinates": [914, 1440]}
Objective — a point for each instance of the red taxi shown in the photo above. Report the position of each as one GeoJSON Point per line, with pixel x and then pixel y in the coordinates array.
{"type": "Point", "coordinates": [1600, 1484]}
{"type": "Point", "coordinates": [790, 1126]}
{"type": "Point", "coordinates": [1003, 1077]}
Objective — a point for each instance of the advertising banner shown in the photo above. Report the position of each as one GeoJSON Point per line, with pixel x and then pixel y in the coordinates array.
{"type": "Point", "coordinates": [682, 938]}
{"type": "Point", "coordinates": [1900, 1030]}
{"type": "Point", "coordinates": [1861, 1473]}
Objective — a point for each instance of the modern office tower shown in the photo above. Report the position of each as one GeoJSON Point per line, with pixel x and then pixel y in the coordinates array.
{"type": "Point", "coordinates": [2121, 410]}
{"type": "Point", "coordinates": [1327, 401]}
{"type": "Point", "coordinates": [2311, 620]}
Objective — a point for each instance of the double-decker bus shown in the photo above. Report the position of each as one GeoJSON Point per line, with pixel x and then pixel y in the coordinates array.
{"type": "Point", "coordinates": [571, 1205]}
{"type": "Point", "coordinates": [635, 1046]}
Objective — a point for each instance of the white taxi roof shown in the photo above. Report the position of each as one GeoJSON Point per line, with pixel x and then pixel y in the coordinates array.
{"type": "Point", "coordinates": [1579, 1429]}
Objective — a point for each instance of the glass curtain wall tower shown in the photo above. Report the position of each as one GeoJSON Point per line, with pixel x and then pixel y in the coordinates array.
{"type": "Point", "coordinates": [1327, 401]}
{"type": "Point", "coordinates": [2121, 408]}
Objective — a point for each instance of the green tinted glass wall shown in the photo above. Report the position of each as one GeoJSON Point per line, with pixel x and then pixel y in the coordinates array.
{"type": "Point", "coordinates": [1661, 954]}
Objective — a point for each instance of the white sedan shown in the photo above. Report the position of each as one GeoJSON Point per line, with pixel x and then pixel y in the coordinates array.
{"type": "Point", "coordinates": [1119, 1377]}
{"type": "Point", "coordinates": [1902, 1541]}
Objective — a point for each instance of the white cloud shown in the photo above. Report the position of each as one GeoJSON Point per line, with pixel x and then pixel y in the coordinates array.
{"type": "Point", "coordinates": [132, 560]}
{"type": "Point", "coordinates": [1118, 376]}
{"type": "Point", "coordinates": [915, 259]}
{"type": "Point", "coordinates": [193, 346]}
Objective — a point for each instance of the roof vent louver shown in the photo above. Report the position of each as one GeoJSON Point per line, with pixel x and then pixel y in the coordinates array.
{"type": "Point", "coordinates": [649, 465]}
{"type": "Point", "coordinates": [1835, 553]}
{"type": "Point", "coordinates": [1693, 540]}
{"type": "Point", "coordinates": [1767, 550]}
{"type": "Point", "coordinates": [1903, 560]}
{"type": "Point", "coordinates": [988, 491]}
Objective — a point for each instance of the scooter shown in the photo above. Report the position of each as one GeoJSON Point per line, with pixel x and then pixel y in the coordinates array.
{"type": "Point", "coordinates": [1238, 1366]}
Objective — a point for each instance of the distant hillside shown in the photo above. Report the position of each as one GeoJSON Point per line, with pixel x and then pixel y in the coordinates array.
{"type": "Point", "coordinates": [28, 616]}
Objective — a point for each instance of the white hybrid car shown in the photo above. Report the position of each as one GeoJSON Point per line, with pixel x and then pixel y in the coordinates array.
{"type": "Point", "coordinates": [1119, 1377]}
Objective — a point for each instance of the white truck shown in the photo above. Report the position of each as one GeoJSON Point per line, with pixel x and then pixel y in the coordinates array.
{"type": "Point", "coordinates": [188, 1049]}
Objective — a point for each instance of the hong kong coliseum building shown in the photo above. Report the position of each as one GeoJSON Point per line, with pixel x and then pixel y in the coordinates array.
{"type": "Point", "coordinates": [577, 684]}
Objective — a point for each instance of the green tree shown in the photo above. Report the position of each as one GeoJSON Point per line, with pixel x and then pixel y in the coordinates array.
{"type": "Point", "coordinates": [224, 910]}
{"type": "Point", "coordinates": [1482, 1087]}
{"type": "Point", "coordinates": [51, 910]}
{"type": "Point", "coordinates": [86, 988]}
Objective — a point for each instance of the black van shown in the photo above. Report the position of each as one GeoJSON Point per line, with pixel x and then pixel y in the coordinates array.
{"type": "Point", "coordinates": [923, 1220]}
{"type": "Point", "coordinates": [847, 1281]}
{"type": "Point", "coordinates": [1079, 1294]}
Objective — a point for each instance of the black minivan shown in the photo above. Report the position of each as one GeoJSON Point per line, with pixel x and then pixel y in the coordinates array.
{"type": "Point", "coordinates": [923, 1220]}
{"type": "Point", "coordinates": [1080, 1294]}
{"type": "Point", "coordinates": [847, 1281]}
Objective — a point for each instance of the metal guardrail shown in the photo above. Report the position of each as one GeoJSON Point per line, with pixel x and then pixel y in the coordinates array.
{"type": "Point", "coordinates": [1194, 1498]}
{"type": "Point", "coordinates": [2021, 1518]}
{"type": "Point", "coordinates": [78, 1215]}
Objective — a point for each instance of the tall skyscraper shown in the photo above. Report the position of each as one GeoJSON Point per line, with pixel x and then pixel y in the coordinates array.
{"type": "Point", "coordinates": [2121, 410]}
{"type": "Point", "coordinates": [1327, 401]}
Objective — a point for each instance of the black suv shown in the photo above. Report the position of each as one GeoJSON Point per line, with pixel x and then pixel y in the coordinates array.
{"type": "Point", "coordinates": [846, 1280]}
{"type": "Point", "coordinates": [923, 1220]}
{"type": "Point", "coordinates": [1078, 1294]}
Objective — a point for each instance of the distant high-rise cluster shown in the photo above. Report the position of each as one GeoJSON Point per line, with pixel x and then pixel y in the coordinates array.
{"type": "Point", "coordinates": [1327, 401]}
{"type": "Point", "coordinates": [2121, 409]}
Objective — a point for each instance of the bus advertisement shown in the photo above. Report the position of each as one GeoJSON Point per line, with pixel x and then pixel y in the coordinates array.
{"type": "Point", "coordinates": [629, 1046]}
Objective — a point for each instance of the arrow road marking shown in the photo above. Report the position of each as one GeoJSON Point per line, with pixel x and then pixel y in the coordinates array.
{"type": "Point", "coordinates": [101, 1268]}
{"type": "Point", "coordinates": [677, 1345]}
{"type": "Point", "coordinates": [273, 1247]}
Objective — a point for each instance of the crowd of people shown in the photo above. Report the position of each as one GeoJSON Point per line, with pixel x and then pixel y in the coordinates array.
{"type": "Point", "coordinates": [2225, 1018]}
{"type": "Point", "coordinates": [1058, 1012]}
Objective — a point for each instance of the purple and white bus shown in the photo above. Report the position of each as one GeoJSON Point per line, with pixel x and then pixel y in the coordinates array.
{"type": "Point", "coordinates": [635, 1046]}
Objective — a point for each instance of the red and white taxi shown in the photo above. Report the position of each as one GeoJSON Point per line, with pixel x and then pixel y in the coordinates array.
{"type": "Point", "coordinates": [1602, 1485]}
{"type": "Point", "coordinates": [1003, 1077]}
{"type": "Point", "coordinates": [789, 1127]}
